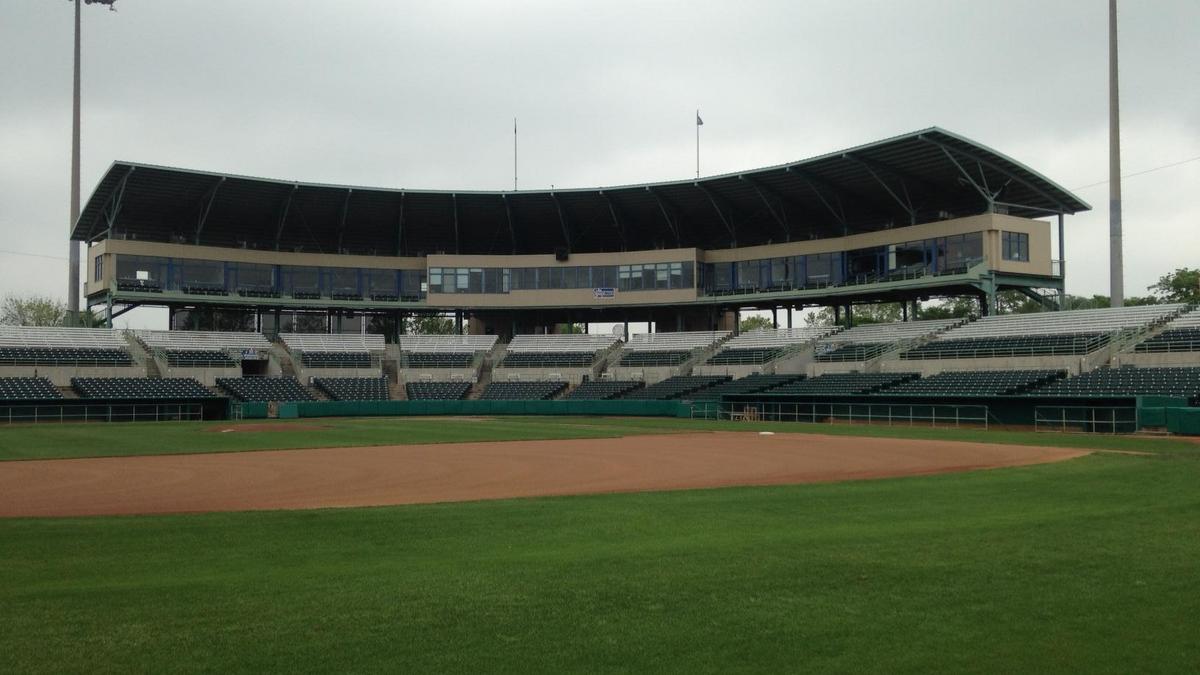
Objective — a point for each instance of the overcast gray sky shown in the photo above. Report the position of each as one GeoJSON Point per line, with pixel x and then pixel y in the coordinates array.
{"type": "Point", "coordinates": [422, 95]}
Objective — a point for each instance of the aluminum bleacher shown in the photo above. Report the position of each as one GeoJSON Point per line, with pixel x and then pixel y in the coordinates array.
{"type": "Point", "coordinates": [667, 349]}
{"type": "Point", "coordinates": [443, 351]}
{"type": "Point", "coordinates": [54, 346]}
{"type": "Point", "coordinates": [202, 349]}
{"type": "Point", "coordinates": [335, 342]}
{"type": "Point", "coordinates": [578, 350]}
{"type": "Point", "coordinates": [1041, 334]}
{"type": "Point", "coordinates": [766, 344]}
{"type": "Point", "coordinates": [170, 340]}
{"type": "Point", "coordinates": [321, 350]}
{"type": "Point", "coordinates": [1182, 334]}
{"type": "Point", "coordinates": [865, 342]}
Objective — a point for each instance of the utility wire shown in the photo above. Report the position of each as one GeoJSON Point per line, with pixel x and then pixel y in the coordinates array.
{"type": "Point", "coordinates": [7, 252]}
{"type": "Point", "coordinates": [1139, 173]}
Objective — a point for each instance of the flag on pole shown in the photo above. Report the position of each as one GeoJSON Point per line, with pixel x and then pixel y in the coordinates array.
{"type": "Point", "coordinates": [699, 122]}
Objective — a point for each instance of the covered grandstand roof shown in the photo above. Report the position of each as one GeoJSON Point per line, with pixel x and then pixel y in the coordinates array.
{"type": "Point", "coordinates": [917, 177]}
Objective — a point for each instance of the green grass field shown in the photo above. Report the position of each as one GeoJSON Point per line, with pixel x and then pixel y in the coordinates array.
{"type": "Point", "coordinates": [1087, 565]}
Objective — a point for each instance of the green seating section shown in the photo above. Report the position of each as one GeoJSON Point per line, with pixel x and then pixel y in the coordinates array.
{"type": "Point", "coordinates": [27, 389]}
{"type": "Point", "coordinates": [169, 388]}
{"type": "Point", "coordinates": [353, 388]}
{"type": "Point", "coordinates": [746, 385]}
{"type": "Point", "coordinates": [842, 384]}
{"type": "Point", "coordinates": [264, 388]}
{"type": "Point", "coordinates": [64, 356]}
{"type": "Point", "coordinates": [853, 351]}
{"type": "Point", "coordinates": [1183, 382]}
{"type": "Point", "coordinates": [1012, 345]}
{"type": "Point", "coordinates": [976, 383]}
{"type": "Point", "coordinates": [199, 358]}
{"type": "Point", "coordinates": [743, 356]}
{"type": "Point", "coordinates": [602, 390]}
{"type": "Point", "coordinates": [437, 391]}
{"type": "Point", "coordinates": [672, 357]}
{"type": "Point", "coordinates": [1172, 340]}
{"type": "Point", "coordinates": [548, 359]}
{"type": "Point", "coordinates": [522, 391]}
{"type": "Point", "coordinates": [438, 359]}
{"type": "Point", "coordinates": [679, 386]}
{"type": "Point", "coordinates": [336, 359]}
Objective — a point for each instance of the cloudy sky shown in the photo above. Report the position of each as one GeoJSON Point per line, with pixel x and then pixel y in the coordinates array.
{"type": "Point", "coordinates": [422, 95]}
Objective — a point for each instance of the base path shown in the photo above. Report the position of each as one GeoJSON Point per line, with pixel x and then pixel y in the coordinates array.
{"type": "Point", "coordinates": [411, 474]}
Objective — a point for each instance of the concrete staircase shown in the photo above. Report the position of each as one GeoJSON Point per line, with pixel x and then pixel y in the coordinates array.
{"type": "Point", "coordinates": [142, 356]}
{"type": "Point", "coordinates": [287, 366]}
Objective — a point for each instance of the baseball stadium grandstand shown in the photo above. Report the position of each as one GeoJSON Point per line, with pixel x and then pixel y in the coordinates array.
{"type": "Point", "coordinates": [300, 294]}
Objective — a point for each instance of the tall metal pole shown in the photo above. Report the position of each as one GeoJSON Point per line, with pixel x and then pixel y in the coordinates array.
{"type": "Point", "coordinates": [73, 264]}
{"type": "Point", "coordinates": [698, 123]}
{"type": "Point", "coordinates": [1116, 264]}
{"type": "Point", "coordinates": [514, 154]}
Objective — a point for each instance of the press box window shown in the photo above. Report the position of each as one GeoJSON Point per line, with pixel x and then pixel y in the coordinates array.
{"type": "Point", "coordinates": [1015, 246]}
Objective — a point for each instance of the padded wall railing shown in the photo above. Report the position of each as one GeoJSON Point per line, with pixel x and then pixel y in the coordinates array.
{"type": "Point", "coordinates": [617, 408]}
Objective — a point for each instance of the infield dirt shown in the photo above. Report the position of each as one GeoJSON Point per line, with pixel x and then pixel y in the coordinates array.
{"type": "Point", "coordinates": [411, 474]}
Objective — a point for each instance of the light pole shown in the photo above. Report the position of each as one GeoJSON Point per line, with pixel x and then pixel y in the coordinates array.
{"type": "Point", "coordinates": [73, 255]}
{"type": "Point", "coordinates": [1116, 264]}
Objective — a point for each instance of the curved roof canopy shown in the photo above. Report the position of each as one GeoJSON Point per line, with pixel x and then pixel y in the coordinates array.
{"type": "Point", "coordinates": [918, 177]}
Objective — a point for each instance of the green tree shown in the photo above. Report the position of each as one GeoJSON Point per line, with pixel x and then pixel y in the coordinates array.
{"type": "Point", "coordinates": [38, 310]}
{"type": "Point", "coordinates": [884, 312]}
{"type": "Point", "coordinates": [1182, 285]}
{"type": "Point", "coordinates": [431, 324]}
{"type": "Point", "coordinates": [754, 322]}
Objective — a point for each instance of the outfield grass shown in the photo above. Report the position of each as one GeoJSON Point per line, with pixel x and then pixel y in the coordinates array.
{"type": "Point", "coordinates": [1087, 565]}
{"type": "Point", "coordinates": [61, 441]}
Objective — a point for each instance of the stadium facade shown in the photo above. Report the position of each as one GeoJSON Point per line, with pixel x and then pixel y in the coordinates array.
{"type": "Point", "coordinates": [922, 215]}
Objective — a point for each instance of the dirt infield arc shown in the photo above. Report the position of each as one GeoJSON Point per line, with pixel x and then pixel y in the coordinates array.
{"type": "Point", "coordinates": [410, 474]}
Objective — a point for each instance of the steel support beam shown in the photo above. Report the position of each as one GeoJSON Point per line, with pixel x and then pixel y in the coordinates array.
{"type": "Point", "coordinates": [905, 203]}
{"type": "Point", "coordinates": [663, 204]}
{"type": "Point", "coordinates": [726, 221]}
{"type": "Point", "coordinates": [780, 216]}
{"type": "Point", "coordinates": [112, 208]}
{"type": "Point", "coordinates": [342, 220]}
{"type": "Point", "coordinates": [512, 232]}
{"type": "Point", "coordinates": [207, 201]}
{"type": "Point", "coordinates": [838, 213]}
{"type": "Point", "coordinates": [616, 220]}
{"type": "Point", "coordinates": [562, 220]}
{"type": "Point", "coordinates": [400, 225]}
{"type": "Point", "coordinates": [454, 209]}
{"type": "Point", "coordinates": [283, 214]}
{"type": "Point", "coordinates": [983, 162]}
{"type": "Point", "coordinates": [121, 311]}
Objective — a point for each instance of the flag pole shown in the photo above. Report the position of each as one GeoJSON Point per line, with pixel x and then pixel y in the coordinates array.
{"type": "Point", "coordinates": [698, 123]}
{"type": "Point", "coordinates": [514, 154]}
